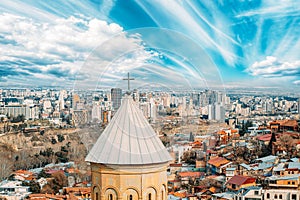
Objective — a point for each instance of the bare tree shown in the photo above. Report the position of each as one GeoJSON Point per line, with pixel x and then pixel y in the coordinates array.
{"type": "Point", "coordinates": [287, 143]}
{"type": "Point", "coordinates": [6, 168]}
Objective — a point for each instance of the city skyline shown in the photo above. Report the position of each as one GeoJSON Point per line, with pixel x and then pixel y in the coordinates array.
{"type": "Point", "coordinates": [93, 44]}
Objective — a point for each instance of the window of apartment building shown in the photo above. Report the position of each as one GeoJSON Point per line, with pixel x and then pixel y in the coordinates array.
{"type": "Point", "coordinates": [268, 195]}
{"type": "Point", "coordinates": [289, 182]}
{"type": "Point", "coordinates": [294, 196]}
{"type": "Point", "coordinates": [256, 192]}
{"type": "Point", "coordinates": [293, 182]}
{"type": "Point", "coordinates": [280, 196]}
{"type": "Point", "coordinates": [275, 196]}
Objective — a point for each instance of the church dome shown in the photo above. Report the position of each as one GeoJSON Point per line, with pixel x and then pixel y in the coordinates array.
{"type": "Point", "coordinates": [128, 140]}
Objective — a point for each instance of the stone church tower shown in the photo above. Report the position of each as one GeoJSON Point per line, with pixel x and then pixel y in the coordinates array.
{"type": "Point", "coordinates": [128, 161]}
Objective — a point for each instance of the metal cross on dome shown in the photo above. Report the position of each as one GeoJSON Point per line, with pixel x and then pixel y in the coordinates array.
{"type": "Point", "coordinates": [128, 79]}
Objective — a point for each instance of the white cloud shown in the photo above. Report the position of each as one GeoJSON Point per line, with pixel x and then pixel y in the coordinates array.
{"type": "Point", "coordinates": [66, 36]}
{"type": "Point", "coordinates": [272, 67]}
{"type": "Point", "coordinates": [57, 48]}
{"type": "Point", "coordinates": [297, 82]}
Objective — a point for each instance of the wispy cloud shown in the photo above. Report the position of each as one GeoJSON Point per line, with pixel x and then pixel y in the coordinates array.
{"type": "Point", "coordinates": [160, 59]}
{"type": "Point", "coordinates": [271, 9]}
{"type": "Point", "coordinates": [206, 28]}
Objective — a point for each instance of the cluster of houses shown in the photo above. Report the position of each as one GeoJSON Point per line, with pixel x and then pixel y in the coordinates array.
{"type": "Point", "coordinates": [210, 166]}
{"type": "Point", "coordinates": [18, 186]}
{"type": "Point", "coordinates": [218, 172]}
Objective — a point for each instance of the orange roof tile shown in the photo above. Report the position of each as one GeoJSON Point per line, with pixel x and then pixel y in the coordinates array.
{"type": "Point", "coordinates": [289, 123]}
{"type": "Point", "coordinates": [213, 189]}
{"type": "Point", "coordinates": [218, 161]}
{"type": "Point", "coordinates": [21, 171]}
{"type": "Point", "coordinates": [222, 132]}
{"type": "Point", "coordinates": [180, 194]}
{"type": "Point", "coordinates": [285, 122]}
{"type": "Point", "coordinates": [234, 130]}
{"type": "Point", "coordinates": [197, 143]}
{"type": "Point", "coordinates": [191, 174]}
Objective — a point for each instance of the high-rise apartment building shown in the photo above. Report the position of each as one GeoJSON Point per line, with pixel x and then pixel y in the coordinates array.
{"type": "Point", "coordinates": [216, 112]}
{"type": "Point", "coordinates": [116, 98]}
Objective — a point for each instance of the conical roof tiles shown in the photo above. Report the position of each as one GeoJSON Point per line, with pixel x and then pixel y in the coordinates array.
{"type": "Point", "coordinates": [128, 140]}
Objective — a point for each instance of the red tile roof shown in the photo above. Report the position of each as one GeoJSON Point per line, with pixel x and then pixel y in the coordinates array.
{"type": "Point", "coordinates": [241, 180]}
{"type": "Point", "coordinates": [176, 165]}
{"type": "Point", "coordinates": [266, 137]}
{"type": "Point", "coordinates": [218, 161]}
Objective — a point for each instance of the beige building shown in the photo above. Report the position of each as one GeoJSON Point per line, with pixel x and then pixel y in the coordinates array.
{"type": "Point", "coordinates": [79, 117]}
{"type": "Point", "coordinates": [129, 161]}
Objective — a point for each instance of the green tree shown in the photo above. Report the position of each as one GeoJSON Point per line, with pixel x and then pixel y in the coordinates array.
{"type": "Point", "coordinates": [270, 145]}
{"type": "Point", "coordinates": [245, 127]}
{"type": "Point", "coordinates": [60, 138]}
{"type": "Point", "coordinates": [58, 182]}
{"type": "Point", "coordinates": [43, 174]}
{"type": "Point", "coordinates": [19, 118]}
{"type": "Point", "coordinates": [34, 187]}
{"type": "Point", "coordinates": [53, 140]}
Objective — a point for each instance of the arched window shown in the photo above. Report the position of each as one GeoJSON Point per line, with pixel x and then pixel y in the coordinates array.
{"type": "Point", "coordinates": [110, 194]}
{"type": "Point", "coordinates": [132, 194]}
{"type": "Point", "coordinates": [268, 195]}
{"type": "Point", "coordinates": [149, 196]}
{"type": "Point", "coordinates": [97, 196]}
{"type": "Point", "coordinates": [280, 196]}
{"type": "Point", "coordinates": [275, 197]}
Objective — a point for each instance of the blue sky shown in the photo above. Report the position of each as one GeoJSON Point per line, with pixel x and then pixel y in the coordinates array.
{"type": "Point", "coordinates": [93, 44]}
